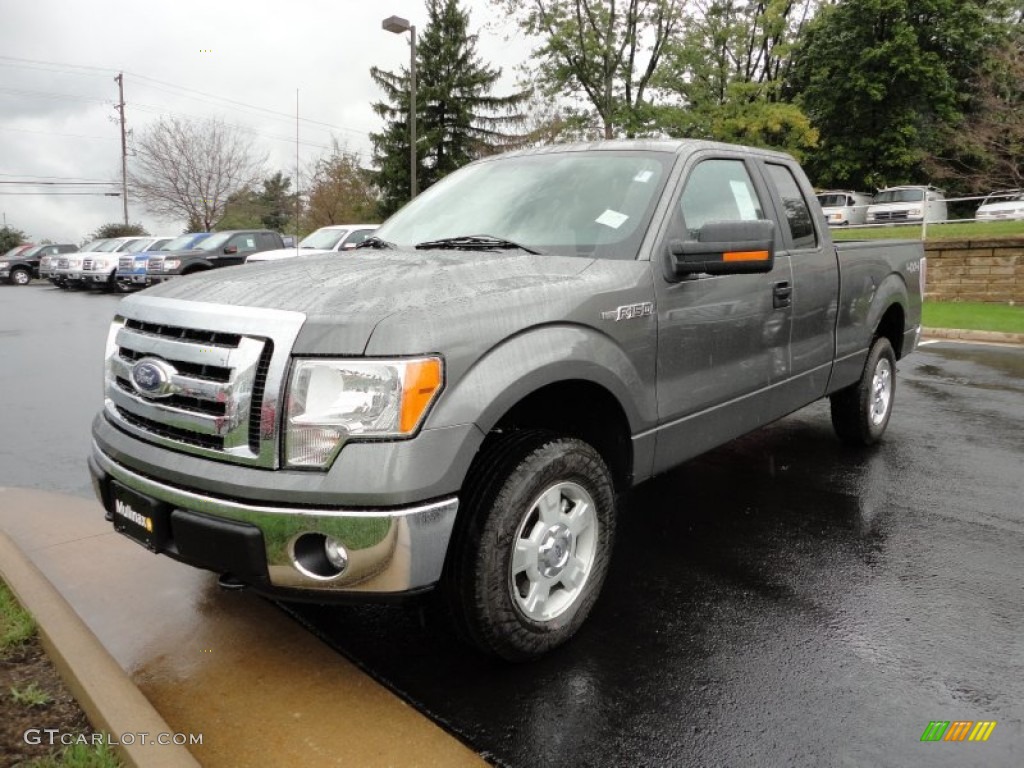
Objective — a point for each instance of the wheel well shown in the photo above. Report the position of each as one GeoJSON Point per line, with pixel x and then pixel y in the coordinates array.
{"type": "Point", "coordinates": [583, 410]}
{"type": "Point", "coordinates": [190, 270]}
{"type": "Point", "coordinates": [891, 327]}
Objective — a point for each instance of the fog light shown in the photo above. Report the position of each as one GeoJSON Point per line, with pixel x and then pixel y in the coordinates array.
{"type": "Point", "coordinates": [336, 553]}
{"type": "Point", "coordinates": [319, 557]}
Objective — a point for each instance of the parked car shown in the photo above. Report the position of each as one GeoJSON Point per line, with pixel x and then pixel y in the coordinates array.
{"type": "Point", "coordinates": [1002, 206]}
{"type": "Point", "coordinates": [532, 337]}
{"type": "Point", "coordinates": [842, 207]}
{"type": "Point", "coordinates": [20, 269]}
{"type": "Point", "coordinates": [69, 270]}
{"type": "Point", "coordinates": [907, 205]}
{"type": "Point", "coordinates": [337, 237]}
{"type": "Point", "coordinates": [131, 269]}
{"type": "Point", "coordinates": [100, 271]}
{"type": "Point", "coordinates": [222, 249]}
{"type": "Point", "coordinates": [48, 264]}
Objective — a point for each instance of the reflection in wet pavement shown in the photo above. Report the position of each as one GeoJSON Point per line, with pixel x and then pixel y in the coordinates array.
{"type": "Point", "coordinates": [780, 601]}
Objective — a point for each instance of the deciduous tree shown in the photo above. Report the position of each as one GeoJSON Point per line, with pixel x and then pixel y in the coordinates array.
{"type": "Point", "coordinates": [341, 191]}
{"type": "Point", "coordinates": [603, 53]}
{"type": "Point", "coordinates": [880, 78]}
{"type": "Point", "coordinates": [118, 229]}
{"type": "Point", "coordinates": [186, 170]}
{"type": "Point", "coordinates": [10, 237]}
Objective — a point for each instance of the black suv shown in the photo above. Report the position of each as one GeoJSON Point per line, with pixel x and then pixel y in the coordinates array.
{"type": "Point", "coordinates": [21, 268]}
{"type": "Point", "coordinates": [221, 249]}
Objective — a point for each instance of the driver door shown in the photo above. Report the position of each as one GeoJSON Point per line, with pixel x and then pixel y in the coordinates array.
{"type": "Point", "coordinates": [723, 341]}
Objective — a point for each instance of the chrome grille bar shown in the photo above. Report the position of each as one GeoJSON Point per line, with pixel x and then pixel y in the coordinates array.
{"type": "Point", "coordinates": [222, 376]}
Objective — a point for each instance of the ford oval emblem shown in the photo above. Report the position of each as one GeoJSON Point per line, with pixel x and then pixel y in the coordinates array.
{"type": "Point", "coordinates": [151, 377]}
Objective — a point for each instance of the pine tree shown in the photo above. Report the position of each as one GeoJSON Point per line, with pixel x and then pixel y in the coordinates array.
{"type": "Point", "coordinates": [457, 119]}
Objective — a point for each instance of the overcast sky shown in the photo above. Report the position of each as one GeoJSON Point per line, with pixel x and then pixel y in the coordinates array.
{"type": "Point", "coordinates": [58, 123]}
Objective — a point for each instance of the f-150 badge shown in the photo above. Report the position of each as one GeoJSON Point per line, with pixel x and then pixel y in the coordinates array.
{"type": "Point", "coordinates": [630, 312]}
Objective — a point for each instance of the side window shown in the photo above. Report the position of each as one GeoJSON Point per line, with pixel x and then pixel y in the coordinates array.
{"type": "Point", "coordinates": [357, 237]}
{"type": "Point", "coordinates": [244, 242]}
{"type": "Point", "coordinates": [719, 190]}
{"type": "Point", "coordinates": [798, 213]}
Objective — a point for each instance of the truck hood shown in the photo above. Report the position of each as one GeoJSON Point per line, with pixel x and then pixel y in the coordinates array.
{"type": "Point", "coordinates": [346, 295]}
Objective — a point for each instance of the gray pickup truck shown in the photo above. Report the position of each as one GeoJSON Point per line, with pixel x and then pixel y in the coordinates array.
{"type": "Point", "coordinates": [457, 405]}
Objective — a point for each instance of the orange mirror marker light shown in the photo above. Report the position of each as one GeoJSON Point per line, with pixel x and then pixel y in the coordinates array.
{"type": "Point", "coordinates": [422, 383]}
{"type": "Point", "coordinates": [745, 256]}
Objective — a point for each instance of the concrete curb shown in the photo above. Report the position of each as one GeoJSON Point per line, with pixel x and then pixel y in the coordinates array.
{"type": "Point", "coordinates": [990, 337]}
{"type": "Point", "coordinates": [109, 698]}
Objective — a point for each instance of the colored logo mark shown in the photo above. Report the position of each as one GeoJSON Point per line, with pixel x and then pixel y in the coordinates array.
{"type": "Point", "coordinates": [958, 730]}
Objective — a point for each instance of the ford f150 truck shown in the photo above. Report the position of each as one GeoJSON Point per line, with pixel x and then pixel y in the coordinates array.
{"type": "Point", "coordinates": [460, 408]}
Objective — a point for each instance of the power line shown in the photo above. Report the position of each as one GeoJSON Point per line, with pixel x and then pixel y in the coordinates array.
{"type": "Point", "coordinates": [92, 194]}
{"type": "Point", "coordinates": [55, 133]}
{"type": "Point", "coordinates": [58, 178]}
{"type": "Point", "coordinates": [155, 83]}
{"type": "Point", "coordinates": [60, 183]}
{"type": "Point", "coordinates": [48, 95]}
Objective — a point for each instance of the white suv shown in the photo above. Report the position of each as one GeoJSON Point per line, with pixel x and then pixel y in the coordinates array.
{"type": "Point", "coordinates": [338, 237]}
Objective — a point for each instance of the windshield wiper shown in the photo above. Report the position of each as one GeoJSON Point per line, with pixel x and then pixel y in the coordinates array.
{"type": "Point", "coordinates": [473, 243]}
{"type": "Point", "coordinates": [376, 242]}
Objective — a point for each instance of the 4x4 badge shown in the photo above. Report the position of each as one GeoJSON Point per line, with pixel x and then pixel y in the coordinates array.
{"type": "Point", "coordinates": [630, 312]}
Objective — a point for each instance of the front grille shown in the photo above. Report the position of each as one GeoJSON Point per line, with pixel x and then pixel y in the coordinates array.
{"type": "Point", "coordinates": [124, 264]}
{"type": "Point", "coordinates": [220, 377]}
{"type": "Point", "coordinates": [156, 264]}
{"type": "Point", "coordinates": [891, 216]}
{"type": "Point", "coordinates": [86, 264]}
{"type": "Point", "coordinates": [62, 263]}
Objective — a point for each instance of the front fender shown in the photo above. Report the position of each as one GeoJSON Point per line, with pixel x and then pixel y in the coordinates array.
{"type": "Point", "coordinates": [544, 355]}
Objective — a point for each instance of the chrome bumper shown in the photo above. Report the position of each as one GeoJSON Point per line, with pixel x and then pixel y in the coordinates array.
{"type": "Point", "coordinates": [390, 550]}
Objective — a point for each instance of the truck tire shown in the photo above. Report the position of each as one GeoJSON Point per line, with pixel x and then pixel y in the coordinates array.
{"type": "Point", "coordinates": [20, 276]}
{"type": "Point", "coordinates": [860, 413]}
{"type": "Point", "coordinates": [532, 555]}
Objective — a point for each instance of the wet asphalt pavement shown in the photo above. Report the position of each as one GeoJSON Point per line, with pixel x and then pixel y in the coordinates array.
{"type": "Point", "coordinates": [780, 601]}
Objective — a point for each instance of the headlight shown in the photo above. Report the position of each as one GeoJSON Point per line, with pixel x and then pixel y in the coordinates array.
{"type": "Point", "coordinates": [171, 264]}
{"type": "Point", "coordinates": [4, 264]}
{"type": "Point", "coordinates": [913, 212]}
{"type": "Point", "coordinates": [331, 401]}
{"type": "Point", "coordinates": [101, 264]}
{"type": "Point", "coordinates": [835, 217]}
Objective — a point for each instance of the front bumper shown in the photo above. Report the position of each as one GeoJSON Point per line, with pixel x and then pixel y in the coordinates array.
{"type": "Point", "coordinates": [391, 551]}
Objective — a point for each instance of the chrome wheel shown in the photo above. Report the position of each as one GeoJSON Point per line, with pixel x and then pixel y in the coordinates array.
{"type": "Point", "coordinates": [20, 277]}
{"type": "Point", "coordinates": [881, 391]}
{"type": "Point", "coordinates": [555, 548]}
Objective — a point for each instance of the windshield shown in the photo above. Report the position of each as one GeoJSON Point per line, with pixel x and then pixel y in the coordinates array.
{"type": "Point", "coordinates": [109, 246]}
{"type": "Point", "coordinates": [594, 204]}
{"type": "Point", "coordinates": [183, 242]}
{"type": "Point", "coordinates": [832, 201]}
{"type": "Point", "coordinates": [93, 245]}
{"type": "Point", "coordinates": [213, 242]}
{"type": "Point", "coordinates": [31, 251]}
{"type": "Point", "coordinates": [1004, 197]}
{"type": "Point", "coordinates": [136, 245]}
{"type": "Point", "coordinates": [900, 196]}
{"type": "Point", "coordinates": [325, 239]}
{"type": "Point", "coordinates": [13, 251]}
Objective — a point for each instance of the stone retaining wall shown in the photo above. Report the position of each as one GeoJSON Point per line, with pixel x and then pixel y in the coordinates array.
{"type": "Point", "coordinates": [976, 270]}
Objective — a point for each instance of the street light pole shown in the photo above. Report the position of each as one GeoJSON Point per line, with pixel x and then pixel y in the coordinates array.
{"type": "Point", "coordinates": [399, 26]}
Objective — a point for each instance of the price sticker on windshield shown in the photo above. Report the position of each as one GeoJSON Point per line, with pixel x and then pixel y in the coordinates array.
{"type": "Point", "coordinates": [612, 219]}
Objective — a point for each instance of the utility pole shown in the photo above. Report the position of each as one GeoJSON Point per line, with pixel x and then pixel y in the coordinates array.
{"type": "Point", "coordinates": [124, 148]}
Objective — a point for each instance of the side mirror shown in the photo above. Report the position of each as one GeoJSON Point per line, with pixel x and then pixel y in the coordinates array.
{"type": "Point", "coordinates": [726, 248]}
{"type": "Point", "coordinates": [230, 249]}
